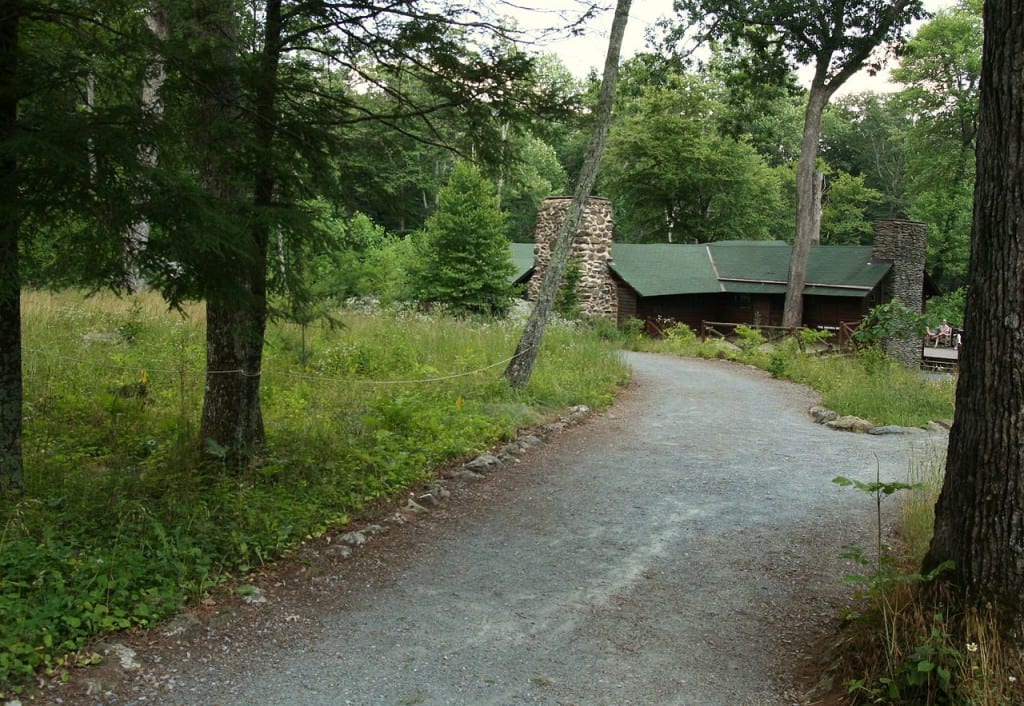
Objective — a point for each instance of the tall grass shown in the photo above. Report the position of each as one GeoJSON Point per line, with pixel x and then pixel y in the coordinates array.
{"type": "Point", "coordinates": [124, 518]}
{"type": "Point", "coordinates": [875, 388]}
{"type": "Point", "coordinates": [866, 384]}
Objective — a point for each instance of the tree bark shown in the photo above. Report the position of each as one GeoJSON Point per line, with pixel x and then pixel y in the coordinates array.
{"type": "Point", "coordinates": [819, 190]}
{"type": "Point", "coordinates": [979, 518]}
{"type": "Point", "coordinates": [138, 232]}
{"type": "Point", "coordinates": [11, 465]}
{"type": "Point", "coordinates": [520, 368]}
{"type": "Point", "coordinates": [808, 223]}
{"type": "Point", "coordinates": [232, 418]}
{"type": "Point", "coordinates": [232, 412]}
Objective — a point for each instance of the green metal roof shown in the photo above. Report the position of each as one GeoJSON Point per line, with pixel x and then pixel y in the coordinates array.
{"type": "Point", "coordinates": [744, 267]}
{"type": "Point", "coordinates": [522, 258]}
{"type": "Point", "coordinates": [658, 269]}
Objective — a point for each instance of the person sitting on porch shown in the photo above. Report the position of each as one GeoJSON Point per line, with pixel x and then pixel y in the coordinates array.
{"type": "Point", "coordinates": [944, 335]}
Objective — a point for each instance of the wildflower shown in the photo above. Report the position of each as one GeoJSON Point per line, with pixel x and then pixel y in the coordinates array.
{"type": "Point", "coordinates": [972, 646]}
{"type": "Point", "coordinates": [1013, 679]}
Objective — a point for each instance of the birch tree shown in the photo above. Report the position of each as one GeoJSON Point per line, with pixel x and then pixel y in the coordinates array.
{"type": "Point", "coordinates": [520, 368]}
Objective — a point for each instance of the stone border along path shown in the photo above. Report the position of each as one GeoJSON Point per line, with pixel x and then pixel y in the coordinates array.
{"type": "Point", "coordinates": [680, 547]}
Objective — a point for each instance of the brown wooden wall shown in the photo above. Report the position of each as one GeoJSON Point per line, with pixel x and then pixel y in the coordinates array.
{"type": "Point", "coordinates": [627, 301]}
{"type": "Point", "coordinates": [752, 309]}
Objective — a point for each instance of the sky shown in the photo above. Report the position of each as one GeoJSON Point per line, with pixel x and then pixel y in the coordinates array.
{"type": "Point", "coordinates": [586, 52]}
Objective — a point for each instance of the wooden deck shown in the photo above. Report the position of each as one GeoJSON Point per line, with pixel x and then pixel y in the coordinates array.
{"type": "Point", "coordinates": [939, 358]}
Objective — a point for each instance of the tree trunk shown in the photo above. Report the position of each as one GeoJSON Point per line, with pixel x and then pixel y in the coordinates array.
{"type": "Point", "coordinates": [138, 233]}
{"type": "Point", "coordinates": [819, 190]}
{"type": "Point", "coordinates": [232, 413]}
{"type": "Point", "coordinates": [979, 518]}
{"type": "Point", "coordinates": [232, 420]}
{"type": "Point", "coordinates": [11, 469]}
{"type": "Point", "coordinates": [807, 224]}
{"type": "Point", "coordinates": [520, 368]}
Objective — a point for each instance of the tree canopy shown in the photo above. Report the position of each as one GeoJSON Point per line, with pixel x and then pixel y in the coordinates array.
{"type": "Point", "coordinates": [837, 39]}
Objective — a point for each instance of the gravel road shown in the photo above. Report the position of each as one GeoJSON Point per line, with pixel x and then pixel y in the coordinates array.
{"type": "Point", "coordinates": [678, 548]}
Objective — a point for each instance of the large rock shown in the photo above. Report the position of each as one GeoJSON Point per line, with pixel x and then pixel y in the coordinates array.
{"type": "Point", "coordinates": [850, 423]}
{"type": "Point", "coordinates": [821, 415]}
{"type": "Point", "coordinates": [483, 463]}
{"type": "Point", "coordinates": [889, 429]}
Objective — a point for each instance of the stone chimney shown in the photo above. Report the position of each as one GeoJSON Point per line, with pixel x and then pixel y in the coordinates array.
{"type": "Point", "coordinates": [592, 246]}
{"type": "Point", "coordinates": [904, 243]}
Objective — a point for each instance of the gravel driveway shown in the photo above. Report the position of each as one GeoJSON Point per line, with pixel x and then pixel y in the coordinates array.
{"type": "Point", "coordinates": [677, 548]}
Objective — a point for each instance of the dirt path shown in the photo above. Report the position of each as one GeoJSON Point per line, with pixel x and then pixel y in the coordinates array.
{"type": "Point", "coordinates": [678, 548]}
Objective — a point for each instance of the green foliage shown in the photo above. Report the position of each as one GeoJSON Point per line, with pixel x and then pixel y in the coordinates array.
{"type": "Point", "coordinates": [750, 338]}
{"type": "Point", "coordinates": [902, 646]}
{"type": "Point", "coordinates": [532, 177]}
{"type": "Point", "coordinates": [567, 299]}
{"type": "Point", "coordinates": [949, 307]}
{"type": "Point", "coordinates": [925, 674]}
{"type": "Point", "coordinates": [467, 267]}
{"type": "Point", "coordinates": [786, 34]}
{"type": "Point", "coordinates": [681, 336]}
{"type": "Point", "coordinates": [887, 320]}
{"type": "Point", "coordinates": [941, 69]}
{"type": "Point", "coordinates": [392, 271]}
{"type": "Point", "coordinates": [871, 386]}
{"type": "Point", "coordinates": [121, 522]}
{"type": "Point", "coordinates": [783, 353]}
{"type": "Point", "coordinates": [673, 177]}
{"type": "Point", "coordinates": [843, 217]}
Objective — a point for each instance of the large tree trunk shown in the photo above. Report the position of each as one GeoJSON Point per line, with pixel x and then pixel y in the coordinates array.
{"type": "Point", "coordinates": [521, 367]}
{"type": "Point", "coordinates": [235, 306]}
{"type": "Point", "coordinates": [11, 472]}
{"type": "Point", "coordinates": [979, 518]}
{"type": "Point", "coordinates": [235, 324]}
{"type": "Point", "coordinates": [808, 223]}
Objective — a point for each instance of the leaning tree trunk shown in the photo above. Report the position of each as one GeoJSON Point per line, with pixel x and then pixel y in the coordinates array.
{"type": "Point", "coordinates": [979, 518]}
{"type": "Point", "coordinates": [808, 223]}
{"type": "Point", "coordinates": [232, 419]}
{"type": "Point", "coordinates": [521, 367]}
{"type": "Point", "coordinates": [11, 471]}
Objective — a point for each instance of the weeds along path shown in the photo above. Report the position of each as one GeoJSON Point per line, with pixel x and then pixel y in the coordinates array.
{"type": "Point", "coordinates": [678, 548]}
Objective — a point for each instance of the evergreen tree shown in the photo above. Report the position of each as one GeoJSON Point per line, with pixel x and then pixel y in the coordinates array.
{"type": "Point", "coordinates": [263, 128]}
{"type": "Point", "coordinates": [68, 167]}
{"type": "Point", "coordinates": [469, 266]}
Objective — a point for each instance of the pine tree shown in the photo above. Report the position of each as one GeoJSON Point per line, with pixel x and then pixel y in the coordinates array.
{"type": "Point", "coordinates": [469, 265]}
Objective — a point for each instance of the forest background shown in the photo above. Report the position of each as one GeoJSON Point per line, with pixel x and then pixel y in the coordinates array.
{"type": "Point", "coordinates": [699, 150]}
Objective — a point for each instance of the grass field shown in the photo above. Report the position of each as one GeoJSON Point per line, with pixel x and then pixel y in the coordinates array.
{"type": "Point", "coordinates": [124, 517]}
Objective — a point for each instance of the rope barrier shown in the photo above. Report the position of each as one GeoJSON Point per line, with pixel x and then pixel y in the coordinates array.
{"type": "Point", "coordinates": [293, 376]}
